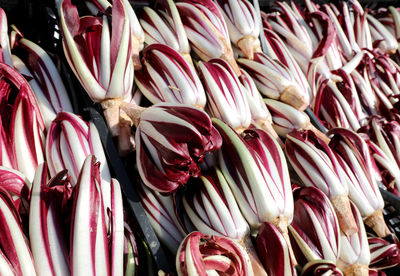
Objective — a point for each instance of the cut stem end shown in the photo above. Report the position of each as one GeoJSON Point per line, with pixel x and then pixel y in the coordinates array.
{"type": "Point", "coordinates": [347, 223]}
{"type": "Point", "coordinates": [293, 97]}
{"type": "Point", "coordinates": [356, 270]}
{"type": "Point", "coordinates": [247, 46]}
{"type": "Point", "coordinates": [377, 223]}
{"type": "Point", "coordinates": [111, 114]}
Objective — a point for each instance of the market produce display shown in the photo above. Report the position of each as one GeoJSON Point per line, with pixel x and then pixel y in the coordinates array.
{"type": "Point", "coordinates": [256, 143]}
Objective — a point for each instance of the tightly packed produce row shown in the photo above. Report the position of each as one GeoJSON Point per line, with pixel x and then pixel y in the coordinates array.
{"type": "Point", "coordinates": [209, 102]}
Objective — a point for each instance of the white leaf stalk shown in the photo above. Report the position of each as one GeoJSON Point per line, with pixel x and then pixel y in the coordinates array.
{"type": "Point", "coordinates": [160, 211]}
{"type": "Point", "coordinates": [212, 209]}
{"type": "Point", "coordinates": [117, 230]}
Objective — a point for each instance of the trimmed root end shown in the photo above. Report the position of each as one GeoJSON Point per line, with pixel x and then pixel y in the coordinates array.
{"type": "Point", "coordinates": [136, 47]}
{"type": "Point", "coordinates": [125, 145]}
{"type": "Point", "coordinates": [133, 111]}
{"type": "Point", "coordinates": [347, 223]}
{"type": "Point", "coordinates": [247, 46]}
{"type": "Point", "coordinates": [293, 97]}
{"type": "Point", "coordinates": [377, 223]}
{"type": "Point", "coordinates": [137, 65]}
{"type": "Point", "coordinates": [282, 224]}
{"type": "Point", "coordinates": [199, 106]}
{"type": "Point", "coordinates": [257, 49]}
{"type": "Point", "coordinates": [240, 129]}
{"type": "Point", "coordinates": [111, 114]}
{"type": "Point", "coordinates": [356, 270]}
{"type": "Point", "coordinates": [256, 264]}
{"type": "Point", "coordinates": [317, 132]}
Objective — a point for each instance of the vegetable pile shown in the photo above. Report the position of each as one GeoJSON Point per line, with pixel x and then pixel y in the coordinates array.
{"type": "Point", "coordinates": [209, 103]}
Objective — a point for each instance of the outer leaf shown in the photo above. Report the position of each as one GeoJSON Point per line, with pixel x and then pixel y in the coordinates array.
{"type": "Point", "coordinates": [243, 26]}
{"type": "Point", "coordinates": [26, 128]}
{"type": "Point", "coordinates": [339, 107]}
{"type": "Point", "coordinates": [6, 157]}
{"type": "Point", "coordinates": [12, 239]}
{"type": "Point", "coordinates": [160, 211]}
{"type": "Point", "coordinates": [260, 114]}
{"type": "Point", "coordinates": [353, 151]}
{"type": "Point", "coordinates": [226, 96]}
{"type": "Point", "coordinates": [117, 229]}
{"type": "Point", "coordinates": [17, 185]}
{"type": "Point", "coordinates": [69, 141]}
{"type": "Point", "coordinates": [315, 232]}
{"type": "Point", "coordinates": [171, 142]}
{"type": "Point", "coordinates": [89, 243]}
{"type": "Point", "coordinates": [211, 255]}
{"type": "Point", "coordinates": [5, 52]}
{"type": "Point", "coordinates": [207, 31]}
{"type": "Point", "coordinates": [321, 267]}
{"type": "Point", "coordinates": [167, 77]}
{"type": "Point", "coordinates": [46, 82]}
{"type": "Point", "coordinates": [130, 252]}
{"type": "Point", "coordinates": [47, 239]}
{"type": "Point", "coordinates": [354, 250]}
{"type": "Point", "coordinates": [286, 118]}
{"type": "Point", "coordinates": [274, 251]}
{"type": "Point", "coordinates": [257, 174]}
{"type": "Point", "coordinates": [275, 80]}
{"type": "Point", "coordinates": [316, 165]}
{"type": "Point", "coordinates": [212, 209]}
{"type": "Point", "coordinates": [383, 253]}
{"type": "Point", "coordinates": [387, 170]}
{"type": "Point", "coordinates": [280, 51]}
{"type": "Point", "coordinates": [381, 37]}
